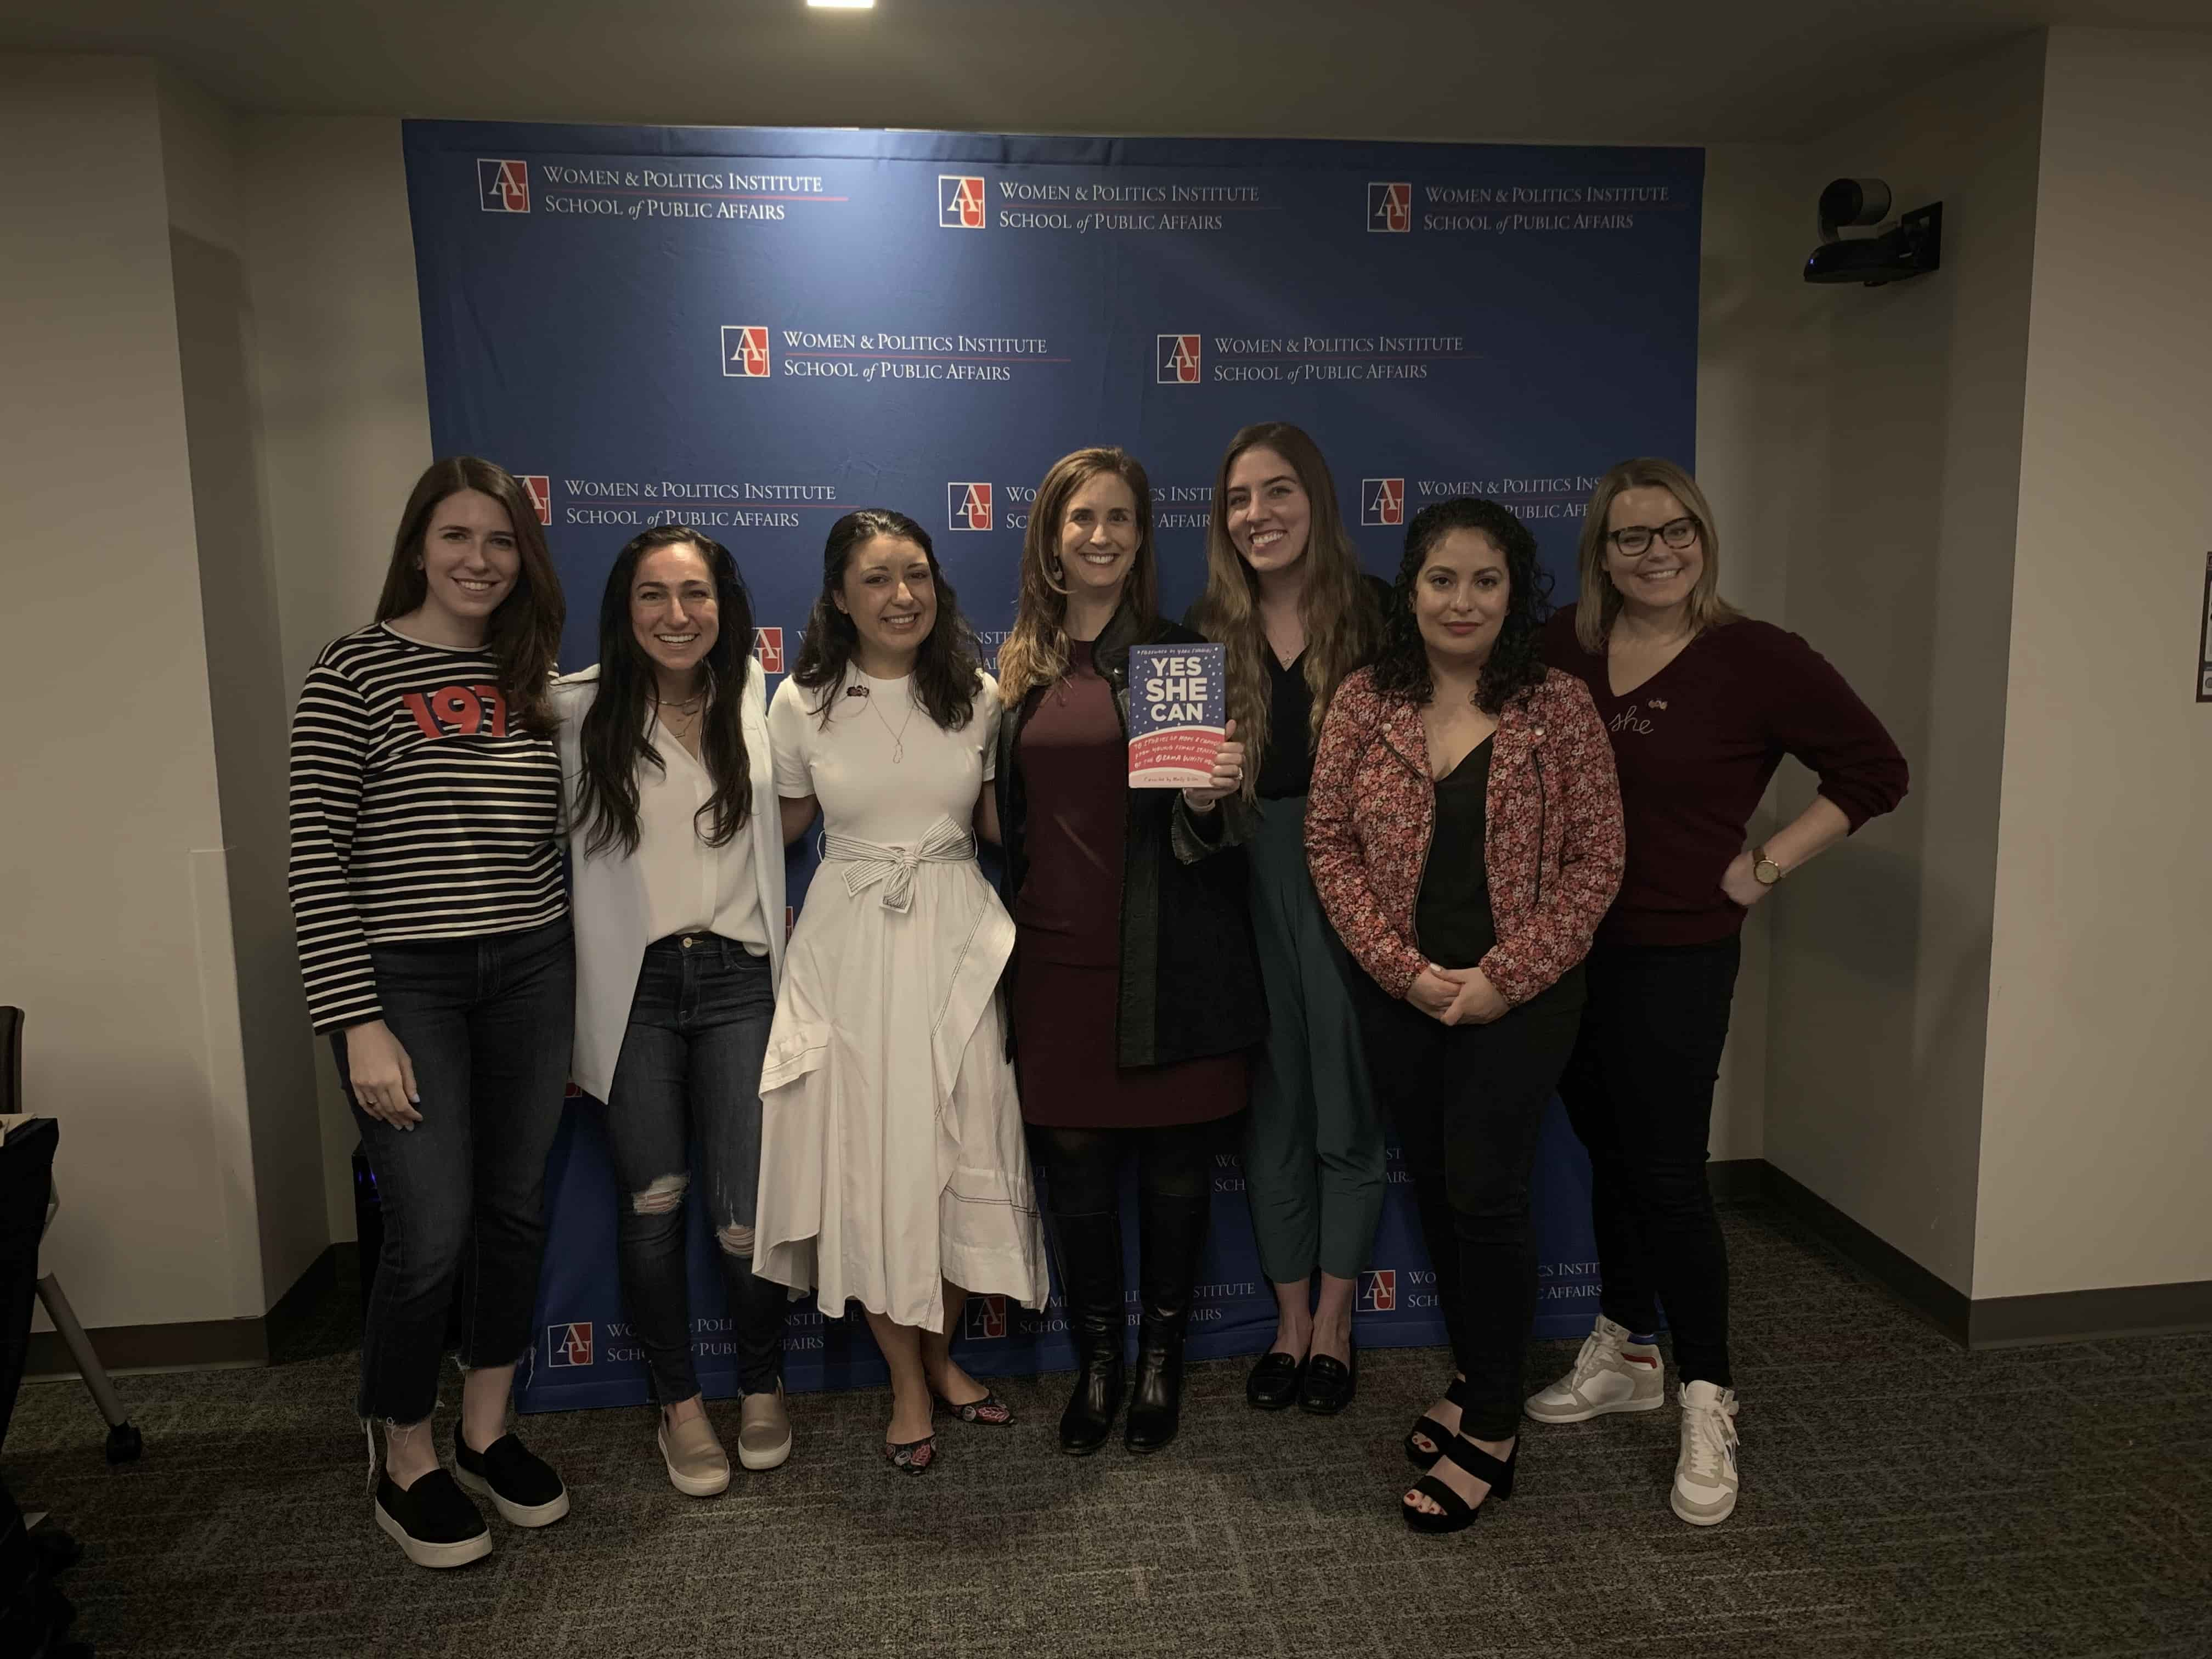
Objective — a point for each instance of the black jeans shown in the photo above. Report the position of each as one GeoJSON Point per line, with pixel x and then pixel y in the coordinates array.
{"type": "Point", "coordinates": [688, 1076]}
{"type": "Point", "coordinates": [1468, 1104]}
{"type": "Point", "coordinates": [1639, 1092]}
{"type": "Point", "coordinates": [486, 1022]}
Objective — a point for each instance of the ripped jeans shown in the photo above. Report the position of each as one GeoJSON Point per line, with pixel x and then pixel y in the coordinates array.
{"type": "Point", "coordinates": [685, 1100]}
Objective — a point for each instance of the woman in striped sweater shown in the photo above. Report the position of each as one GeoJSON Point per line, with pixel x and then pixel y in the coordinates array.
{"type": "Point", "coordinates": [434, 941]}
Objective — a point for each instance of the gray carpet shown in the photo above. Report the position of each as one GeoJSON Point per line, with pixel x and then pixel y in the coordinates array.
{"type": "Point", "coordinates": [1900, 1498]}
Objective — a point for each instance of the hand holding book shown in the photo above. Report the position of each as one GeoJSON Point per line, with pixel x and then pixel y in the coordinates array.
{"type": "Point", "coordinates": [1228, 774]}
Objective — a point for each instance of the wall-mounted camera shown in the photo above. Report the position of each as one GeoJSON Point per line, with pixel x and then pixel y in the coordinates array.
{"type": "Point", "coordinates": [1913, 247]}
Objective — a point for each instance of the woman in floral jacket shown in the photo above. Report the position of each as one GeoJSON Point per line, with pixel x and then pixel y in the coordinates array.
{"type": "Point", "coordinates": [1464, 834]}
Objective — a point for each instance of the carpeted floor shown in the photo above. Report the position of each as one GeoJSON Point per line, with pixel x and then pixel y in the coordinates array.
{"type": "Point", "coordinates": [1900, 1498]}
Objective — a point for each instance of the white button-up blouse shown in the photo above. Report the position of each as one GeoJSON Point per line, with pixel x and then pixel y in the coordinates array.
{"type": "Point", "coordinates": [673, 883]}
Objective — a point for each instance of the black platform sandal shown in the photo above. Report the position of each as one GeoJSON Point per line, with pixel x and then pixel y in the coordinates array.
{"type": "Point", "coordinates": [1434, 1433]}
{"type": "Point", "coordinates": [1457, 1513]}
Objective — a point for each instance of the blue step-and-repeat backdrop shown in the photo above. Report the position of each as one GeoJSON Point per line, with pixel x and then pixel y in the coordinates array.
{"type": "Point", "coordinates": [752, 332]}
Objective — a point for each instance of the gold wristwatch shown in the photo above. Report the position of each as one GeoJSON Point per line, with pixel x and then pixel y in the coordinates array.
{"type": "Point", "coordinates": [1763, 869]}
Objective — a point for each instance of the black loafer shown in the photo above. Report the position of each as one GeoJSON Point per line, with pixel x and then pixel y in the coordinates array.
{"type": "Point", "coordinates": [1328, 1385]}
{"type": "Point", "coordinates": [1274, 1382]}
{"type": "Point", "coordinates": [521, 1486]}
{"type": "Point", "coordinates": [432, 1521]}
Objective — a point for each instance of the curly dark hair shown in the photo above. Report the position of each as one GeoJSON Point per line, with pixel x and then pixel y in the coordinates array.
{"type": "Point", "coordinates": [613, 738]}
{"type": "Point", "coordinates": [948, 670]}
{"type": "Point", "coordinates": [1401, 668]}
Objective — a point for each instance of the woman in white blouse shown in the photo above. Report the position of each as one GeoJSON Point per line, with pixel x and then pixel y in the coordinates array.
{"type": "Point", "coordinates": [677, 871]}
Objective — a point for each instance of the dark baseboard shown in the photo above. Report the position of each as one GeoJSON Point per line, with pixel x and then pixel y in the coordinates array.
{"type": "Point", "coordinates": [200, 1345]}
{"type": "Point", "coordinates": [2003, 1321]}
{"type": "Point", "coordinates": [1734, 1179]}
{"type": "Point", "coordinates": [1934, 1299]}
{"type": "Point", "coordinates": [2016, 1322]}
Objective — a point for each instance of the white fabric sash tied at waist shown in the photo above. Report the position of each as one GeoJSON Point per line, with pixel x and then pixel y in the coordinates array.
{"type": "Point", "coordinates": [868, 863]}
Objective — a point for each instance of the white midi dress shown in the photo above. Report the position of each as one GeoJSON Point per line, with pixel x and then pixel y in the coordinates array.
{"type": "Point", "coordinates": [892, 1149]}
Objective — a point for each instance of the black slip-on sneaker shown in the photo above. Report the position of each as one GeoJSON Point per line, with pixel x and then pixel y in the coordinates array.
{"type": "Point", "coordinates": [521, 1486]}
{"type": "Point", "coordinates": [432, 1521]}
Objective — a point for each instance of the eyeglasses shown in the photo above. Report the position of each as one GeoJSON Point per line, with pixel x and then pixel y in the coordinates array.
{"type": "Point", "coordinates": [1635, 540]}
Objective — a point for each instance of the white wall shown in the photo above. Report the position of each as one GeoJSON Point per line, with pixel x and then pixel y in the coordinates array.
{"type": "Point", "coordinates": [238, 591]}
{"type": "Point", "coordinates": [346, 423]}
{"type": "Point", "coordinates": [2098, 1139]}
{"type": "Point", "coordinates": [1901, 522]}
{"type": "Point", "coordinates": [116, 939]}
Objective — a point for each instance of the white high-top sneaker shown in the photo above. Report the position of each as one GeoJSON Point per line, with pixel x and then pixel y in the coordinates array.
{"type": "Point", "coordinates": [1611, 1374]}
{"type": "Point", "coordinates": [1705, 1471]}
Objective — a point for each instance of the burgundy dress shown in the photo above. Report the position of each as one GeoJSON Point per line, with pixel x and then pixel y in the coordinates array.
{"type": "Point", "coordinates": [1068, 921]}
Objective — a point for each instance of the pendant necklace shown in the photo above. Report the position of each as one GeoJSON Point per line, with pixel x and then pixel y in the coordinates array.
{"type": "Point", "coordinates": [898, 737]}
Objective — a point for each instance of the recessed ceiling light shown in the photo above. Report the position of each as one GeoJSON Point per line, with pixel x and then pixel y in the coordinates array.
{"type": "Point", "coordinates": [843, 5]}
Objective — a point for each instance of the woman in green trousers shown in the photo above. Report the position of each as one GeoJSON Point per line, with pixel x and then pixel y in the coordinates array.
{"type": "Point", "coordinates": [1285, 596]}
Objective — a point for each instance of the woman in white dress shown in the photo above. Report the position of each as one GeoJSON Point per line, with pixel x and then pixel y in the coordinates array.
{"type": "Point", "coordinates": [893, 1171]}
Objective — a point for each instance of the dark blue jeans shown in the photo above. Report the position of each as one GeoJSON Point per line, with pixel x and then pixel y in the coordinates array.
{"type": "Point", "coordinates": [486, 1022]}
{"type": "Point", "coordinates": [1639, 1092]}
{"type": "Point", "coordinates": [686, 1096]}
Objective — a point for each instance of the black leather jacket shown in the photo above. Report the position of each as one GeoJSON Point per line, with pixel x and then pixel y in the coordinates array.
{"type": "Point", "coordinates": [1190, 973]}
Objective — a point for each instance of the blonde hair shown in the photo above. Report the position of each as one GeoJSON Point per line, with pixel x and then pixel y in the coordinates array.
{"type": "Point", "coordinates": [1600, 600]}
{"type": "Point", "coordinates": [1035, 652]}
{"type": "Point", "coordinates": [1343, 627]}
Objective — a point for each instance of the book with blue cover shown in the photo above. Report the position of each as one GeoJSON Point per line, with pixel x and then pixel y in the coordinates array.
{"type": "Point", "coordinates": [1178, 714]}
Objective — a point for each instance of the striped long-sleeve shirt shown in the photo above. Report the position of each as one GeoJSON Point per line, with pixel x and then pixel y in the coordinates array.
{"type": "Point", "coordinates": [416, 813]}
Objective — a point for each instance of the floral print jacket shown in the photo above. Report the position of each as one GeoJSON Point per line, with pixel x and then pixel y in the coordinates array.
{"type": "Point", "coordinates": [1553, 842]}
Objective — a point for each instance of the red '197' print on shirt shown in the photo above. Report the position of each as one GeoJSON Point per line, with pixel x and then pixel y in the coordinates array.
{"type": "Point", "coordinates": [458, 710]}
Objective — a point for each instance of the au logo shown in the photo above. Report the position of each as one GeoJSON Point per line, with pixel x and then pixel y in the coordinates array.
{"type": "Point", "coordinates": [767, 646]}
{"type": "Point", "coordinates": [1378, 1291]}
{"type": "Point", "coordinates": [569, 1345]}
{"type": "Point", "coordinates": [959, 202]}
{"type": "Point", "coordinates": [986, 1317]}
{"type": "Point", "coordinates": [503, 186]}
{"type": "Point", "coordinates": [744, 351]}
{"type": "Point", "coordinates": [1390, 207]}
{"type": "Point", "coordinates": [1382, 501]}
{"type": "Point", "coordinates": [540, 488]}
{"type": "Point", "coordinates": [1176, 359]}
{"type": "Point", "coordinates": [967, 506]}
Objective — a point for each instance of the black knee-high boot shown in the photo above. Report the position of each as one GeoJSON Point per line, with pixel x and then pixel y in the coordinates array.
{"type": "Point", "coordinates": [1175, 1232]}
{"type": "Point", "coordinates": [1090, 1279]}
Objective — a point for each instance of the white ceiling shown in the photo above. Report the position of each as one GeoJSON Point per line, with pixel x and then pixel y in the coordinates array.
{"type": "Point", "coordinates": [1600, 71]}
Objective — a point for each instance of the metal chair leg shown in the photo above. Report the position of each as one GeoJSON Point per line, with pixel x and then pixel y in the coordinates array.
{"type": "Point", "coordinates": [124, 1443]}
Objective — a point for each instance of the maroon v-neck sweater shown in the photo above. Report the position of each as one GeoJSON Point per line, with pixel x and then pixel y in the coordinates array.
{"type": "Point", "coordinates": [1695, 745]}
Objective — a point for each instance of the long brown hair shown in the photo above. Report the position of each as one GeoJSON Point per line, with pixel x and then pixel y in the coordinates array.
{"type": "Point", "coordinates": [1036, 649]}
{"type": "Point", "coordinates": [523, 636]}
{"type": "Point", "coordinates": [1342, 627]}
{"type": "Point", "coordinates": [1600, 600]}
{"type": "Point", "coordinates": [612, 739]}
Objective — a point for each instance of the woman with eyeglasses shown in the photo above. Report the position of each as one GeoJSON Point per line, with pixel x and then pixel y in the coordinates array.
{"type": "Point", "coordinates": [1702, 703]}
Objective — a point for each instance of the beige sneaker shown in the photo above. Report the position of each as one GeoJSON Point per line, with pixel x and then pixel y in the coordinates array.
{"type": "Point", "coordinates": [1705, 1481]}
{"type": "Point", "coordinates": [1613, 1373]}
{"type": "Point", "coordinates": [764, 1431]}
{"type": "Point", "coordinates": [697, 1465]}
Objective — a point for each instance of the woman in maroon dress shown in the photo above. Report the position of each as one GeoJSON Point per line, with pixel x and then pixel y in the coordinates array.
{"type": "Point", "coordinates": [1136, 985]}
